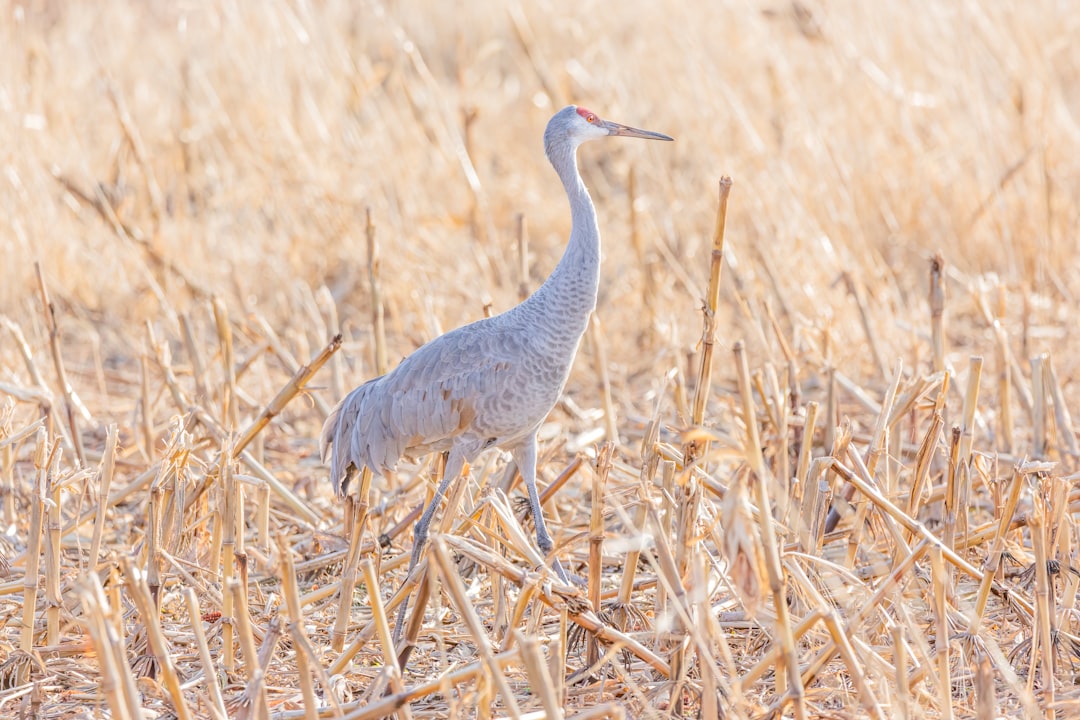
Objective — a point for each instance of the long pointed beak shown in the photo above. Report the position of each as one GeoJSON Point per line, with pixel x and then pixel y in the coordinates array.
{"type": "Point", "coordinates": [615, 128]}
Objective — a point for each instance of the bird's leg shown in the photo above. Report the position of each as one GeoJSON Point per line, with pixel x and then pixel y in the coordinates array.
{"type": "Point", "coordinates": [455, 461]}
{"type": "Point", "coordinates": [525, 458]}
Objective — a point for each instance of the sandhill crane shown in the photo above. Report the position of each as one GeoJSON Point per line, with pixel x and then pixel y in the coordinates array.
{"type": "Point", "coordinates": [490, 383]}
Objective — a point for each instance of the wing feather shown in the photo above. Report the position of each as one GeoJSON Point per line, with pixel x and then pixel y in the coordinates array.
{"type": "Point", "coordinates": [424, 403]}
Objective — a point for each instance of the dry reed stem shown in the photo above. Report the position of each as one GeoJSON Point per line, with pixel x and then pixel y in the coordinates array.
{"type": "Point", "coordinates": [878, 442]}
{"type": "Point", "coordinates": [254, 700]}
{"type": "Point", "coordinates": [539, 677]}
{"type": "Point", "coordinates": [851, 661]}
{"type": "Point", "coordinates": [33, 549]}
{"type": "Point", "coordinates": [596, 535]}
{"type": "Point", "coordinates": [771, 553]}
{"type": "Point", "coordinates": [939, 601]}
{"type": "Point", "coordinates": [117, 681]}
{"type": "Point", "coordinates": [139, 592]}
{"type": "Point", "coordinates": [985, 695]}
{"type": "Point", "coordinates": [711, 326]}
{"type": "Point", "coordinates": [297, 633]}
{"type": "Point", "coordinates": [358, 515]}
{"type": "Point", "coordinates": [1045, 637]}
{"type": "Point", "coordinates": [937, 311]}
{"type": "Point", "coordinates": [209, 667]}
{"type": "Point", "coordinates": [54, 603]}
{"type": "Point", "coordinates": [992, 563]}
{"type": "Point", "coordinates": [225, 518]}
{"type": "Point", "coordinates": [382, 629]}
{"type": "Point", "coordinates": [71, 400]}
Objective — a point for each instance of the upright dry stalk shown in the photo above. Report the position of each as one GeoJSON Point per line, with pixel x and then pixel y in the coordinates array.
{"type": "Point", "coordinates": [382, 628]}
{"type": "Point", "coordinates": [596, 535]}
{"type": "Point", "coordinates": [971, 402]}
{"type": "Point", "coordinates": [539, 678]}
{"type": "Point", "coordinates": [378, 314]}
{"type": "Point", "coordinates": [1045, 632]}
{"type": "Point", "coordinates": [922, 464]}
{"type": "Point", "coordinates": [937, 310]}
{"type": "Point", "coordinates": [985, 693]}
{"type": "Point", "coordinates": [53, 552]}
{"type": "Point", "coordinates": [108, 468]}
{"type": "Point", "coordinates": [939, 602]}
{"type": "Point", "coordinates": [667, 514]}
{"type": "Point", "coordinates": [33, 540]}
{"type": "Point", "coordinates": [217, 703]}
{"type": "Point", "coordinates": [147, 606]}
{"type": "Point", "coordinates": [626, 588]}
{"type": "Point", "coordinates": [262, 516]}
{"type": "Point", "coordinates": [117, 681]}
{"type": "Point", "coordinates": [226, 518]}
{"type": "Point", "coordinates": [348, 579]}
{"type": "Point", "coordinates": [783, 459]}
{"type": "Point", "coordinates": [710, 329]}
{"type": "Point", "coordinates": [153, 539]}
{"type": "Point", "coordinates": [71, 400]}
{"type": "Point", "coordinates": [952, 493]}
{"type": "Point", "coordinates": [903, 699]}
{"type": "Point", "coordinates": [229, 407]}
{"type": "Point", "coordinates": [296, 628]}
{"type": "Point", "coordinates": [771, 552]}
{"type": "Point", "coordinates": [257, 702]}
{"type": "Point", "coordinates": [706, 632]}
{"type": "Point", "coordinates": [806, 448]}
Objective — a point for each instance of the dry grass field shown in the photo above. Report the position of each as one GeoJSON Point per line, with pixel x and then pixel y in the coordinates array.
{"type": "Point", "coordinates": [190, 196]}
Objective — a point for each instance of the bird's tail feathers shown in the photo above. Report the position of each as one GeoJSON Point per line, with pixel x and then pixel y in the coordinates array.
{"type": "Point", "coordinates": [337, 442]}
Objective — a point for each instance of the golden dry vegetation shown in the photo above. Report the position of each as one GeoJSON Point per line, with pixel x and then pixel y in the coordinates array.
{"type": "Point", "coordinates": [186, 189]}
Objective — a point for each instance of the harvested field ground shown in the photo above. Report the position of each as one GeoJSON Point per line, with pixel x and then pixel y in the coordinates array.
{"type": "Point", "coordinates": [219, 217]}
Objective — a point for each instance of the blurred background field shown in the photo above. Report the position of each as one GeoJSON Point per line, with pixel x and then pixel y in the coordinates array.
{"type": "Point", "coordinates": [160, 157]}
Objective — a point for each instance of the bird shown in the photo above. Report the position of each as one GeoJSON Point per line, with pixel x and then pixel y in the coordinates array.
{"type": "Point", "coordinates": [491, 383]}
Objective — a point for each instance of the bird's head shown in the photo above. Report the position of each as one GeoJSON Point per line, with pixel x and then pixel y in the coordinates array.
{"type": "Point", "coordinates": [574, 125]}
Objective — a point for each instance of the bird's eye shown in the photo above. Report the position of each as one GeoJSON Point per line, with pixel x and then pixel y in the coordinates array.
{"type": "Point", "coordinates": [592, 118]}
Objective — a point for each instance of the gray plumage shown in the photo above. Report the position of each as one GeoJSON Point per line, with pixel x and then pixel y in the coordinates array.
{"type": "Point", "coordinates": [493, 382]}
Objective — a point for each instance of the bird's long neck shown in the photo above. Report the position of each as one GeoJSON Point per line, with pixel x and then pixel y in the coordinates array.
{"type": "Point", "coordinates": [569, 294]}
